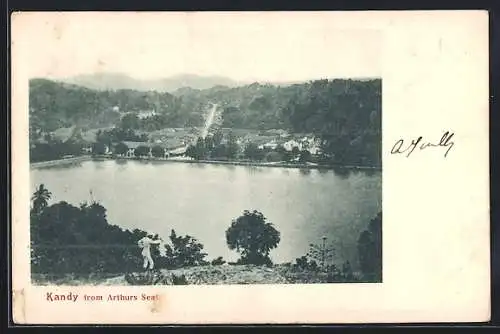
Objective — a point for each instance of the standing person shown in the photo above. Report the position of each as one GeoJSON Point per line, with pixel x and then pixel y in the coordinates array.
{"type": "Point", "coordinates": [145, 243]}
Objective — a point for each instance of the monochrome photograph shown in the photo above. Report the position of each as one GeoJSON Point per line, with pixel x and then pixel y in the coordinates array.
{"type": "Point", "coordinates": [203, 173]}
{"type": "Point", "coordinates": [250, 167]}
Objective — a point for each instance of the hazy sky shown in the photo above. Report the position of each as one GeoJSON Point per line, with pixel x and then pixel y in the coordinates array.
{"type": "Point", "coordinates": [251, 46]}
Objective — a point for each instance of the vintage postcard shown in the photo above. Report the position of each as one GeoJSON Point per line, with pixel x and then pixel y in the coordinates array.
{"type": "Point", "coordinates": [250, 167]}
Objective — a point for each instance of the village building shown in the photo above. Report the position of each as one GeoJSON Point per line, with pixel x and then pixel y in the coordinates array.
{"type": "Point", "coordinates": [291, 144]}
{"type": "Point", "coordinates": [272, 145]}
{"type": "Point", "coordinates": [146, 113]}
{"type": "Point", "coordinates": [170, 147]}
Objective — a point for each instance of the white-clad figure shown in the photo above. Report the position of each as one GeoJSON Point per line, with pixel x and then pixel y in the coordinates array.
{"type": "Point", "coordinates": [145, 243]}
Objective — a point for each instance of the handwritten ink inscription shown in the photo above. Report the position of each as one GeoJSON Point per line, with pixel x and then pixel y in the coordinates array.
{"type": "Point", "coordinates": [402, 147]}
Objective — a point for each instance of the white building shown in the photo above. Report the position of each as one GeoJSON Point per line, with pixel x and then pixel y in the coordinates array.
{"type": "Point", "coordinates": [289, 145]}
{"type": "Point", "coordinates": [173, 148]}
{"type": "Point", "coordinates": [146, 113]}
{"type": "Point", "coordinates": [270, 145]}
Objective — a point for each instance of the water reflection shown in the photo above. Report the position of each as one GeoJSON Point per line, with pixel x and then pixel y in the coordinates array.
{"type": "Point", "coordinates": [305, 171]}
{"type": "Point", "coordinates": [198, 165]}
{"type": "Point", "coordinates": [343, 173]}
{"type": "Point", "coordinates": [323, 170]}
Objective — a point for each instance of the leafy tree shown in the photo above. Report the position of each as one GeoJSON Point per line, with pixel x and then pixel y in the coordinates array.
{"type": "Point", "coordinates": [141, 151]}
{"type": "Point", "coordinates": [197, 151]}
{"type": "Point", "coordinates": [200, 149]}
{"type": "Point", "coordinates": [121, 148]}
{"type": "Point", "coordinates": [104, 137]}
{"type": "Point", "coordinates": [209, 143]}
{"type": "Point", "coordinates": [253, 152]}
{"type": "Point", "coordinates": [191, 151]}
{"type": "Point", "coordinates": [217, 137]}
{"type": "Point", "coordinates": [284, 154]}
{"type": "Point", "coordinates": [69, 239]}
{"type": "Point", "coordinates": [157, 151]}
{"type": "Point", "coordinates": [130, 121]}
{"type": "Point", "coordinates": [219, 151]}
{"type": "Point", "coordinates": [184, 251]}
{"type": "Point", "coordinates": [40, 198]}
{"type": "Point", "coordinates": [305, 156]}
{"type": "Point", "coordinates": [370, 250]}
{"type": "Point", "coordinates": [253, 237]}
{"type": "Point", "coordinates": [232, 146]}
{"type": "Point", "coordinates": [98, 148]}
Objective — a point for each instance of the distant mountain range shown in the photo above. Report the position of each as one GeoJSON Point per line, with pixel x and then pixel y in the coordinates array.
{"type": "Point", "coordinates": [176, 85]}
{"type": "Point", "coordinates": [115, 81]}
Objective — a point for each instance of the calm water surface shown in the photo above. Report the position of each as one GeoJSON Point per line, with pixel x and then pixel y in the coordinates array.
{"type": "Point", "coordinates": [202, 199]}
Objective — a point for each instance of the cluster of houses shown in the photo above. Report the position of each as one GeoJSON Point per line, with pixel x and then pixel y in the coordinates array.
{"type": "Point", "coordinates": [310, 144]}
{"type": "Point", "coordinates": [169, 149]}
{"type": "Point", "coordinates": [175, 143]}
{"type": "Point", "coordinates": [141, 114]}
{"type": "Point", "coordinates": [146, 113]}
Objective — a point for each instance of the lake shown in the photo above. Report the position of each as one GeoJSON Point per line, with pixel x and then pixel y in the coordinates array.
{"type": "Point", "coordinates": [202, 199]}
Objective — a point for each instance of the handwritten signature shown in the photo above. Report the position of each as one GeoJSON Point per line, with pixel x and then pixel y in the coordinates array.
{"type": "Point", "coordinates": [445, 142]}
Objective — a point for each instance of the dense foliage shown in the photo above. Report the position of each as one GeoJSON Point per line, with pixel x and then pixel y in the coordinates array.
{"type": "Point", "coordinates": [184, 251]}
{"type": "Point", "coordinates": [370, 250]}
{"type": "Point", "coordinates": [70, 239]}
{"type": "Point", "coordinates": [54, 150]}
{"type": "Point", "coordinates": [253, 237]}
{"type": "Point", "coordinates": [54, 105]}
{"type": "Point", "coordinates": [79, 240]}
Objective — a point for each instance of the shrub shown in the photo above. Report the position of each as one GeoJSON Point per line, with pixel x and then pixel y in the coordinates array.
{"type": "Point", "coordinates": [179, 280]}
{"type": "Point", "coordinates": [302, 263]}
{"type": "Point", "coordinates": [184, 251]}
{"type": "Point", "coordinates": [218, 261]}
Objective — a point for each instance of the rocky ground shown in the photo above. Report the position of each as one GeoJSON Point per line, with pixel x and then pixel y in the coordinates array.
{"type": "Point", "coordinates": [205, 275]}
{"type": "Point", "coordinates": [202, 275]}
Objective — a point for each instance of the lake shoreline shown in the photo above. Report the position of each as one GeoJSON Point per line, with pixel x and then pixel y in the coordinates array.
{"type": "Point", "coordinates": [59, 162]}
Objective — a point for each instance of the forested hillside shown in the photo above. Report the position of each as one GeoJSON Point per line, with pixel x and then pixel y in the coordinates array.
{"type": "Point", "coordinates": [346, 114]}
{"type": "Point", "coordinates": [54, 105]}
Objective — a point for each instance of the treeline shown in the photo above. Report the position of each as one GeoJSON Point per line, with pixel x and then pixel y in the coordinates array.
{"type": "Point", "coordinates": [55, 105]}
{"type": "Point", "coordinates": [70, 239]}
{"type": "Point", "coordinates": [54, 150]}
{"type": "Point", "coordinates": [79, 240]}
